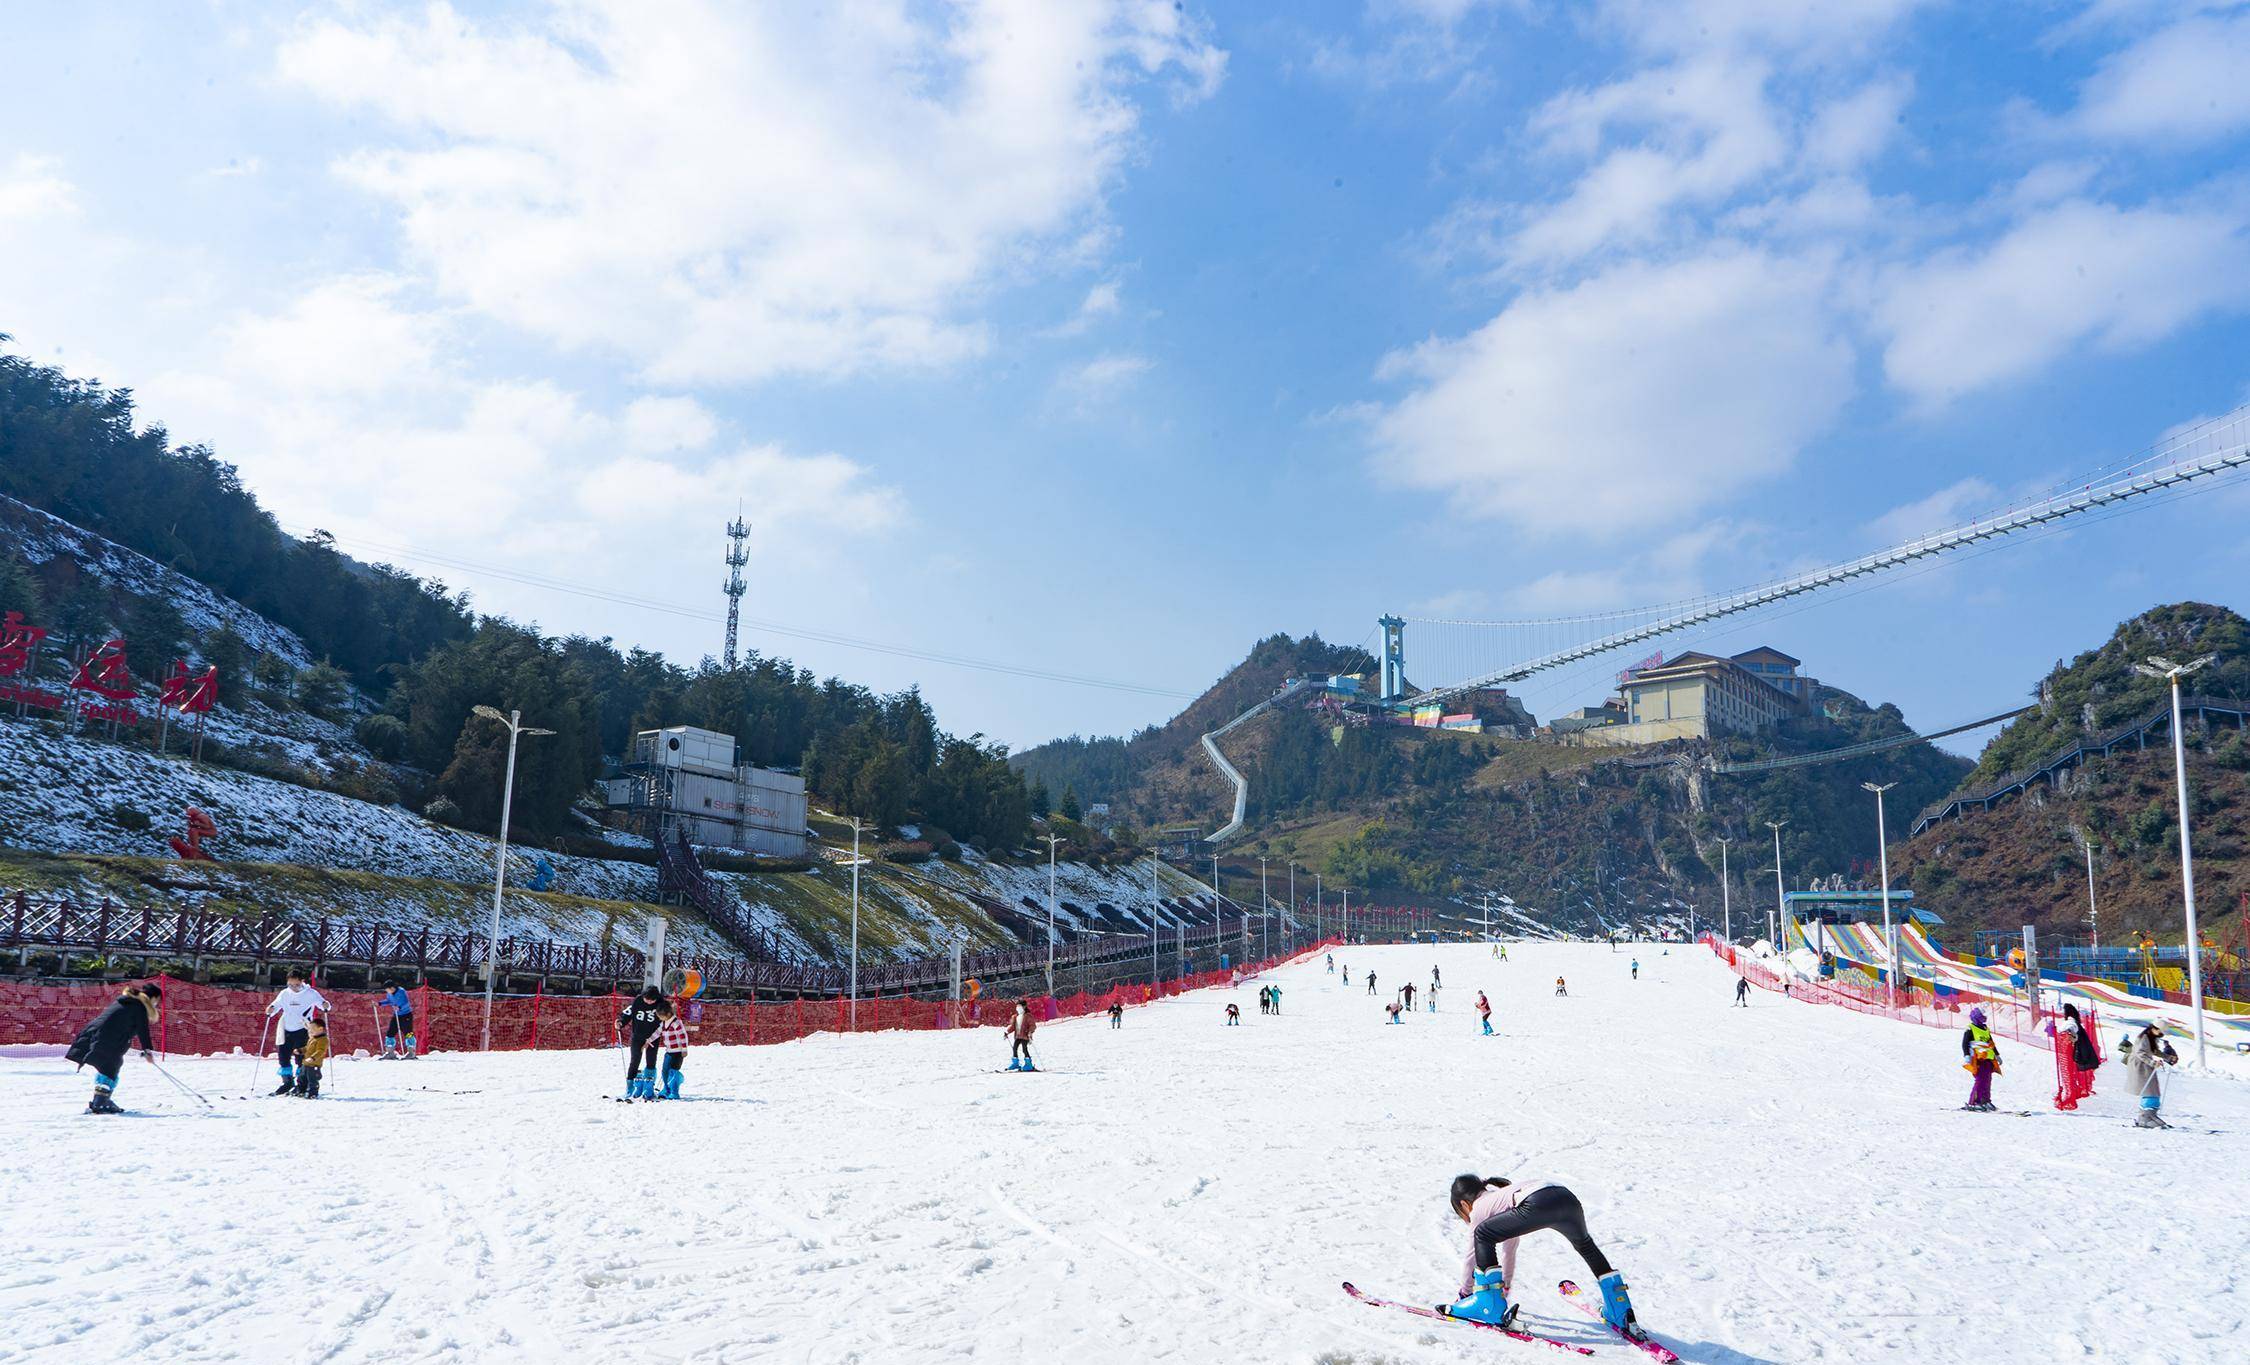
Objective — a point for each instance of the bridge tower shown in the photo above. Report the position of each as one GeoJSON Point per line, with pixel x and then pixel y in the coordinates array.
{"type": "Point", "coordinates": [738, 554]}
{"type": "Point", "coordinates": [1394, 658]}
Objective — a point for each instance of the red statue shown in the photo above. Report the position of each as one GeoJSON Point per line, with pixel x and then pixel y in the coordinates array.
{"type": "Point", "coordinates": [199, 828]}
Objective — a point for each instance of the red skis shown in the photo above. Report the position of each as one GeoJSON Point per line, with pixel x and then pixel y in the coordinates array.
{"type": "Point", "coordinates": [1420, 1312]}
{"type": "Point", "coordinates": [1573, 1294]}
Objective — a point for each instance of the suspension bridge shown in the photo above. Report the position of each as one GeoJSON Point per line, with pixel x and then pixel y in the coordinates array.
{"type": "Point", "coordinates": [2193, 459]}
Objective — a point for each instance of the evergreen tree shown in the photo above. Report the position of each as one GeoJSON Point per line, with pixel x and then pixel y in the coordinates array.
{"type": "Point", "coordinates": [322, 689]}
{"type": "Point", "coordinates": [155, 634]}
{"type": "Point", "coordinates": [228, 652]}
{"type": "Point", "coordinates": [19, 590]}
{"type": "Point", "coordinates": [274, 679]}
{"type": "Point", "coordinates": [1041, 804]}
{"type": "Point", "coordinates": [1070, 807]}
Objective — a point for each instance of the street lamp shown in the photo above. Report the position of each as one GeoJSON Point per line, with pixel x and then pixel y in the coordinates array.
{"type": "Point", "coordinates": [1152, 917]}
{"type": "Point", "coordinates": [1296, 920]}
{"type": "Point", "coordinates": [1265, 913]}
{"type": "Point", "coordinates": [1347, 914]}
{"type": "Point", "coordinates": [854, 994]}
{"type": "Point", "coordinates": [2093, 922]}
{"type": "Point", "coordinates": [1780, 908]}
{"type": "Point", "coordinates": [1726, 897]}
{"type": "Point", "coordinates": [1883, 853]}
{"type": "Point", "coordinates": [1316, 908]}
{"type": "Point", "coordinates": [516, 729]}
{"type": "Point", "coordinates": [2158, 667]}
{"type": "Point", "coordinates": [1052, 840]}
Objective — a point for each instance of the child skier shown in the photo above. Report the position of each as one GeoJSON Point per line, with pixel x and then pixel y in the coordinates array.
{"type": "Point", "coordinates": [672, 1041]}
{"type": "Point", "coordinates": [102, 1044]}
{"type": "Point", "coordinates": [2144, 1066]}
{"type": "Point", "coordinates": [1499, 1214]}
{"type": "Point", "coordinates": [1117, 1014]}
{"type": "Point", "coordinates": [642, 1016]}
{"type": "Point", "coordinates": [1484, 1013]}
{"type": "Point", "coordinates": [1982, 1060]}
{"type": "Point", "coordinates": [1234, 1015]}
{"type": "Point", "coordinates": [398, 1030]}
{"type": "Point", "coordinates": [1560, 988]}
{"type": "Point", "coordinates": [292, 1010]}
{"type": "Point", "coordinates": [1020, 1027]}
{"type": "Point", "coordinates": [309, 1061]}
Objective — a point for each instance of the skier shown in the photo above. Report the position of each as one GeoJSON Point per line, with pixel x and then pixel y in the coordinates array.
{"type": "Point", "coordinates": [1393, 1008]}
{"type": "Point", "coordinates": [642, 1016]}
{"type": "Point", "coordinates": [1234, 1015]}
{"type": "Point", "coordinates": [1484, 1013]}
{"type": "Point", "coordinates": [1434, 978]}
{"type": "Point", "coordinates": [1117, 1014]}
{"type": "Point", "coordinates": [1560, 988]}
{"type": "Point", "coordinates": [1503, 952]}
{"type": "Point", "coordinates": [292, 1009]}
{"type": "Point", "coordinates": [398, 1030]}
{"type": "Point", "coordinates": [1020, 1028]}
{"type": "Point", "coordinates": [2075, 1049]}
{"type": "Point", "coordinates": [1276, 993]}
{"type": "Point", "coordinates": [1982, 1061]}
{"type": "Point", "coordinates": [1408, 991]}
{"type": "Point", "coordinates": [1636, 969]}
{"type": "Point", "coordinates": [1371, 983]}
{"type": "Point", "coordinates": [1331, 964]}
{"type": "Point", "coordinates": [308, 1062]}
{"type": "Point", "coordinates": [672, 1041]}
{"type": "Point", "coordinates": [1433, 994]}
{"type": "Point", "coordinates": [1742, 991]}
{"type": "Point", "coordinates": [102, 1044]}
{"type": "Point", "coordinates": [1265, 1001]}
{"type": "Point", "coordinates": [1499, 1214]}
{"type": "Point", "coordinates": [2145, 1066]}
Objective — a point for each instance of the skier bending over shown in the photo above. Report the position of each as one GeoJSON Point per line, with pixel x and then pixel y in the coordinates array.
{"type": "Point", "coordinates": [1742, 991]}
{"type": "Point", "coordinates": [1020, 1027]}
{"type": "Point", "coordinates": [642, 1016]}
{"type": "Point", "coordinates": [1234, 1015]}
{"type": "Point", "coordinates": [1499, 1213]}
{"type": "Point", "coordinates": [398, 1030]}
{"type": "Point", "coordinates": [2145, 1066]}
{"type": "Point", "coordinates": [292, 1009]}
{"type": "Point", "coordinates": [1484, 1012]}
{"type": "Point", "coordinates": [1560, 988]}
{"type": "Point", "coordinates": [1393, 1008]}
{"type": "Point", "coordinates": [102, 1044]}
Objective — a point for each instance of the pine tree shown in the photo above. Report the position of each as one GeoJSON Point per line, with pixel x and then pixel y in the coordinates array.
{"type": "Point", "coordinates": [1070, 807]}
{"type": "Point", "coordinates": [1041, 804]}
{"type": "Point", "coordinates": [19, 590]}
{"type": "Point", "coordinates": [322, 689]}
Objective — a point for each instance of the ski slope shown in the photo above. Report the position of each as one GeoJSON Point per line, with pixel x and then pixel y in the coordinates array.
{"type": "Point", "coordinates": [1782, 1183]}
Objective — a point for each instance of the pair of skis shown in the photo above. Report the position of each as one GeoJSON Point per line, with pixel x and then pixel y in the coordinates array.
{"type": "Point", "coordinates": [1571, 1294]}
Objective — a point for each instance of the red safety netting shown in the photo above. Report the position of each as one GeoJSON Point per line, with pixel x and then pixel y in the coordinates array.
{"type": "Point", "coordinates": [202, 1019]}
{"type": "Point", "coordinates": [2073, 1082]}
{"type": "Point", "coordinates": [1910, 1004]}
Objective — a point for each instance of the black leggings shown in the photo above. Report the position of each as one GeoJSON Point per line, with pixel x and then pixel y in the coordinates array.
{"type": "Point", "coordinates": [640, 1055]}
{"type": "Point", "coordinates": [292, 1043]}
{"type": "Point", "coordinates": [1552, 1209]}
{"type": "Point", "coordinates": [1022, 1048]}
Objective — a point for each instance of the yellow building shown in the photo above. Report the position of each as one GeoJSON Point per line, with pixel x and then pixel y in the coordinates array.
{"type": "Point", "coordinates": [1696, 696]}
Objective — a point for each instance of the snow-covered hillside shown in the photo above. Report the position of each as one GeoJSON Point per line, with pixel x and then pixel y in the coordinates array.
{"type": "Point", "coordinates": [1780, 1184]}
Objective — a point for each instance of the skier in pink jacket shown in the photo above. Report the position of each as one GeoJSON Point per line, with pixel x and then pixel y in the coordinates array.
{"type": "Point", "coordinates": [1500, 1212]}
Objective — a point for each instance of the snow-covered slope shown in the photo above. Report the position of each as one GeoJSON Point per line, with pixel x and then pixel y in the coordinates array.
{"type": "Point", "coordinates": [1780, 1184]}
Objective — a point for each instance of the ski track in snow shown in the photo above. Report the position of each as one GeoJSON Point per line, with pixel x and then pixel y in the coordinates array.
{"type": "Point", "coordinates": [1780, 1184]}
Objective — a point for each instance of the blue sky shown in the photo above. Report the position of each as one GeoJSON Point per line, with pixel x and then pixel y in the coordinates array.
{"type": "Point", "coordinates": [1106, 337]}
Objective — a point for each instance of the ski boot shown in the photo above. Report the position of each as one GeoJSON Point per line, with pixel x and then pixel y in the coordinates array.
{"type": "Point", "coordinates": [1028, 1066]}
{"type": "Point", "coordinates": [638, 1087]}
{"type": "Point", "coordinates": [672, 1084]}
{"type": "Point", "coordinates": [1488, 1305]}
{"type": "Point", "coordinates": [1015, 1063]}
{"type": "Point", "coordinates": [1617, 1307]}
{"type": "Point", "coordinates": [102, 1103]}
{"type": "Point", "coordinates": [288, 1083]}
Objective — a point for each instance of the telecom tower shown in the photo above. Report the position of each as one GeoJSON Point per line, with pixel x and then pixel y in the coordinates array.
{"type": "Point", "coordinates": [738, 554]}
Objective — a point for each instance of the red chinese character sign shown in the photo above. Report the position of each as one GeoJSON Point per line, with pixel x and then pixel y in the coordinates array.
{"type": "Point", "coordinates": [190, 694]}
{"type": "Point", "coordinates": [19, 665]}
{"type": "Point", "coordinates": [104, 672]}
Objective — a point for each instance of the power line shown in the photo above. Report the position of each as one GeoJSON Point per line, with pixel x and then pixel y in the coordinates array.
{"type": "Point", "coordinates": [635, 600]}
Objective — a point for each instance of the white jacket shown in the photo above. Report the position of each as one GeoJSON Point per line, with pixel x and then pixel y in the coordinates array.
{"type": "Point", "coordinates": [295, 1005]}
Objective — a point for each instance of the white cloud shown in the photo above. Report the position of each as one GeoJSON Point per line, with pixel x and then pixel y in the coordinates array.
{"type": "Point", "coordinates": [2184, 83]}
{"type": "Point", "coordinates": [34, 187]}
{"type": "Point", "coordinates": [1948, 507]}
{"type": "Point", "coordinates": [1108, 373]}
{"type": "Point", "coordinates": [1628, 401]}
{"type": "Point", "coordinates": [1849, 132]}
{"type": "Point", "coordinates": [1825, 28]}
{"type": "Point", "coordinates": [1102, 301]}
{"type": "Point", "coordinates": [2074, 273]}
{"type": "Point", "coordinates": [731, 194]}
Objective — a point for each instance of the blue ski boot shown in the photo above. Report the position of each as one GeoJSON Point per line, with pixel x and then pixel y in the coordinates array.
{"type": "Point", "coordinates": [1015, 1064]}
{"type": "Point", "coordinates": [640, 1087]}
{"type": "Point", "coordinates": [1617, 1309]}
{"type": "Point", "coordinates": [672, 1084]}
{"type": "Point", "coordinates": [1488, 1305]}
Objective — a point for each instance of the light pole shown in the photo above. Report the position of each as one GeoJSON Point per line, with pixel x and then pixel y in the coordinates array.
{"type": "Point", "coordinates": [1052, 840]}
{"type": "Point", "coordinates": [1488, 917]}
{"type": "Point", "coordinates": [1347, 914]}
{"type": "Point", "coordinates": [2158, 667]}
{"type": "Point", "coordinates": [854, 1022]}
{"type": "Point", "coordinates": [1152, 918]}
{"type": "Point", "coordinates": [516, 730]}
{"type": "Point", "coordinates": [2093, 923]}
{"type": "Point", "coordinates": [1780, 908]}
{"type": "Point", "coordinates": [1883, 854]}
{"type": "Point", "coordinates": [1265, 913]}
{"type": "Point", "coordinates": [1726, 897]}
{"type": "Point", "coordinates": [1316, 910]}
{"type": "Point", "coordinates": [1294, 918]}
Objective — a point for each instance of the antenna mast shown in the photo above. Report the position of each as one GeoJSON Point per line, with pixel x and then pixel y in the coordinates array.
{"type": "Point", "coordinates": [738, 554]}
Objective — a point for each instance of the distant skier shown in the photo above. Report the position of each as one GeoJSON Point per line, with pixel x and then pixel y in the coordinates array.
{"type": "Point", "coordinates": [1331, 964]}
{"type": "Point", "coordinates": [1501, 1213]}
{"type": "Point", "coordinates": [1275, 998]}
{"type": "Point", "coordinates": [1234, 1015]}
{"type": "Point", "coordinates": [1371, 983]}
{"type": "Point", "coordinates": [1394, 1010]}
{"type": "Point", "coordinates": [1020, 1028]}
{"type": "Point", "coordinates": [1484, 1013]}
{"type": "Point", "coordinates": [398, 1030]}
{"type": "Point", "coordinates": [1560, 987]}
{"type": "Point", "coordinates": [1117, 1014]}
{"type": "Point", "coordinates": [672, 1041]}
{"type": "Point", "coordinates": [1981, 1060]}
{"type": "Point", "coordinates": [2144, 1067]}
{"type": "Point", "coordinates": [1636, 969]}
{"type": "Point", "coordinates": [103, 1043]}
{"type": "Point", "coordinates": [292, 1009]}
{"type": "Point", "coordinates": [1434, 977]}
{"type": "Point", "coordinates": [1742, 991]}
{"type": "Point", "coordinates": [1407, 990]}
{"type": "Point", "coordinates": [309, 1061]}
{"type": "Point", "coordinates": [642, 1016]}
{"type": "Point", "coordinates": [1265, 1001]}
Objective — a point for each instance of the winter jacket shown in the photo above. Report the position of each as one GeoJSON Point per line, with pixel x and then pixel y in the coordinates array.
{"type": "Point", "coordinates": [398, 1001]}
{"type": "Point", "coordinates": [640, 1016]}
{"type": "Point", "coordinates": [1489, 1203]}
{"type": "Point", "coordinates": [295, 1006]}
{"type": "Point", "coordinates": [2144, 1065]}
{"type": "Point", "coordinates": [1021, 1025]}
{"type": "Point", "coordinates": [1975, 1036]}
{"type": "Point", "coordinates": [102, 1044]}
{"type": "Point", "coordinates": [671, 1036]}
{"type": "Point", "coordinates": [316, 1051]}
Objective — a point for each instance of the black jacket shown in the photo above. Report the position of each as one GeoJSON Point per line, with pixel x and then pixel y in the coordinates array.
{"type": "Point", "coordinates": [640, 1017]}
{"type": "Point", "coordinates": [102, 1044]}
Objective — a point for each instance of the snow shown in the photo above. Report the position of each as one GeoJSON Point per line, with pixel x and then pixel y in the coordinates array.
{"type": "Point", "coordinates": [1784, 1183]}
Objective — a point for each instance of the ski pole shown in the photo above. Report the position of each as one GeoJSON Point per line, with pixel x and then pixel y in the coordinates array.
{"type": "Point", "coordinates": [258, 1058]}
{"type": "Point", "coordinates": [181, 1085]}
